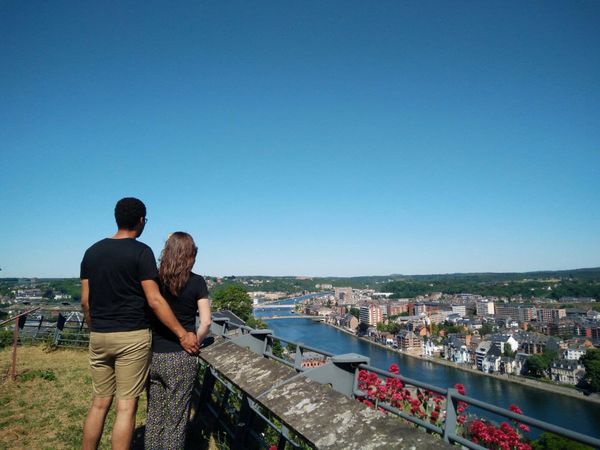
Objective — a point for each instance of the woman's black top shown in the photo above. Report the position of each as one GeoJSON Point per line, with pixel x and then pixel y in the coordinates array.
{"type": "Point", "coordinates": [185, 308]}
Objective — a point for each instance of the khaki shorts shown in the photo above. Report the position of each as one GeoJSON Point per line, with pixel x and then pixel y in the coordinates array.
{"type": "Point", "coordinates": [119, 363]}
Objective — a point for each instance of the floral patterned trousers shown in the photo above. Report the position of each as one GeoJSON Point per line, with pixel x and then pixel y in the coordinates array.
{"type": "Point", "coordinates": [171, 381]}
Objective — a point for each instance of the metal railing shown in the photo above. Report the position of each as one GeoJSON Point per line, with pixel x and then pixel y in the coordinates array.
{"type": "Point", "coordinates": [243, 420]}
{"type": "Point", "coordinates": [63, 330]}
{"type": "Point", "coordinates": [343, 375]}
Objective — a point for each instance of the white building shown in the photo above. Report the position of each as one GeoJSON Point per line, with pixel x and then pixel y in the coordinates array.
{"type": "Point", "coordinates": [482, 350]}
{"type": "Point", "coordinates": [459, 309]}
{"type": "Point", "coordinates": [568, 372]}
{"type": "Point", "coordinates": [485, 308]}
{"type": "Point", "coordinates": [574, 353]}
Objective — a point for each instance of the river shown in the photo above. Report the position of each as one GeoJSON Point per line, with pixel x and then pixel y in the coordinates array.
{"type": "Point", "coordinates": [568, 412]}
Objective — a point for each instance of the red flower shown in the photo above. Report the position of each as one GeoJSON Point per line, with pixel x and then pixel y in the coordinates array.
{"type": "Point", "coordinates": [394, 369]}
{"type": "Point", "coordinates": [273, 447]}
{"type": "Point", "coordinates": [514, 408]}
{"type": "Point", "coordinates": [460, 388]}
{"type": "Point", "coordinates": [524, 427]}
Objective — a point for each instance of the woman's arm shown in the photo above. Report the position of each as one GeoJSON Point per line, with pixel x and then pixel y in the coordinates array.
{"type": "Point", "coordinates": [205, 319]}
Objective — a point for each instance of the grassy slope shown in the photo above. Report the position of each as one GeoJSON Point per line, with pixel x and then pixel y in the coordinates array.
{"type": "Point", "coordinates": [45, 414]}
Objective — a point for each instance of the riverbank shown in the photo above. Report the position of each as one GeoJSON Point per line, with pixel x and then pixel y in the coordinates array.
{"type": "Point", "coordinates": [548, 387]}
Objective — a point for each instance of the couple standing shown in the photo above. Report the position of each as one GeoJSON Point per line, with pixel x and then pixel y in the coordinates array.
{"type": "Point", "coordinates": [119, 281]}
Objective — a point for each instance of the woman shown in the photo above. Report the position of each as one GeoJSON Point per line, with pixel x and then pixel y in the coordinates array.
{"type": "Point", "coordinates": [172, 370]}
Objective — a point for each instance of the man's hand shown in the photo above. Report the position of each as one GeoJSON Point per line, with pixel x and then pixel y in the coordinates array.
{"type": "Point", "coordinates": [189, 342]}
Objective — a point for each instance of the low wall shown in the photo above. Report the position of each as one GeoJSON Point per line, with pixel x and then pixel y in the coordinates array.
{"type": "Point", "coordinates": [323, 417]}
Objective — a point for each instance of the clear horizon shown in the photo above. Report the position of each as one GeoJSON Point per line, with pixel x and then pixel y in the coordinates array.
{"type": "Point", "coordinates": [313, 138]}
{"type": "Point", "coordinates": [349, 276]}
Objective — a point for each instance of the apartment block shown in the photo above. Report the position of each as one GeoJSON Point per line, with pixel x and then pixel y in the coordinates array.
{"type": "Point", "coordinates": [546, 315]}
{"type": "Point", "coordinates": [370, 313]}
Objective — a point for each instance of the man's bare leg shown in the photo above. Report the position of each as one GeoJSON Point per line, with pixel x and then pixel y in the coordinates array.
{"type": "Point", "coordinates": [94, 422]}
{"type": "Point", "coordinates": [124, 423]}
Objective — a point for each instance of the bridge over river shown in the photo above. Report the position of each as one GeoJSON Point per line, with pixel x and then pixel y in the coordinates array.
{"type": "Point", "coordinates": [295, 316]}
{"type": "Point", "coordinates": [262, 306]}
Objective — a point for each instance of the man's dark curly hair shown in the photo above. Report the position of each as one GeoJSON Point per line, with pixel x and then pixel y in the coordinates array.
{"type": "Point", "coordinates": [128, 212]}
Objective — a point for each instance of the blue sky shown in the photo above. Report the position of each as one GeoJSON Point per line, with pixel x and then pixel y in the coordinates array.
{"type": "Point", "coordinates": [304, 138]}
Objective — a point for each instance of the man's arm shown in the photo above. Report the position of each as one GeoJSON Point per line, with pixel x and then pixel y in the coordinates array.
{"type": "Point", "coordinates": [85, 302]}
{"type": "Point", "coordinates": [163, 311]}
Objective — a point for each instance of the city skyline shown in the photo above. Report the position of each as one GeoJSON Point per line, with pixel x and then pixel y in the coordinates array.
{"type": "Point", "coordinates": [337, 139]}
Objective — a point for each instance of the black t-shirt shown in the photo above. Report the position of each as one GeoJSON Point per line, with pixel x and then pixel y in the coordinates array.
{"type": "Point", "coordinates": [115, 269]}
{"type": "Point", "coordinates": [185, 308]}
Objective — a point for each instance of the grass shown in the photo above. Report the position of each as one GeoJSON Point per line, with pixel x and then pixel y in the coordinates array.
{"type": "Point", "coordinates": [47, 404]}
{"type": "Point", "coordinates": [45, 407]}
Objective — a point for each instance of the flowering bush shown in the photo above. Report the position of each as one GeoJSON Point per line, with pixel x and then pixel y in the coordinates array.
{"type": "Point", "coordinates": [420, 403]}
{"type": "Point", "coordinates": [431, 407]}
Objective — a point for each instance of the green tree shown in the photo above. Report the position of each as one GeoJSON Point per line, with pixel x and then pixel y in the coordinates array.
{"type": "Point", "coordinates": [591, 362]}
{"type": "Point", "coordinates": [258, 324]}
{"type": "Point", "coordinates": [537, 365]}
{"type": "Point", "coordinates": [549, 441]}
{"type": "Point", "coordinates": [355, 312]}
{"type": "Point", "coordinates": [393, 327]}
{"type": "Point", "coordinates": [235, 298]}
{"type": "Point", "coordinates": [6, 337]}
{"type": "Point", "coordinates": [277, 348]}
{"type": "Point", "coordinates": [486, 328]}
{"type": "Point", "coordinates": [508, 352]}
{"type": "Point", "coordinates": [362, 328]}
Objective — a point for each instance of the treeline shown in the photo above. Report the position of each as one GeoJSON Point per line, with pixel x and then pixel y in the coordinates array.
{"type": "Point", "coordinates": [564, 283]}
{"type": "Point", "coordinates": [591, 274]}
{"type": "Point", "coordinates": [526, 289]}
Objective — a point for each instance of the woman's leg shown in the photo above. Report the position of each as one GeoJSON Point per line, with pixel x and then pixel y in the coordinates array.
{"type": "Point", "coordinates": [182, 373]}
{"type": "Point", "coordinates": [157, 402]}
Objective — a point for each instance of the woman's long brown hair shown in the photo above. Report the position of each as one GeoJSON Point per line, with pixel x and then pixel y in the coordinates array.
{"type": "Point", "coordinates": [176, 261]}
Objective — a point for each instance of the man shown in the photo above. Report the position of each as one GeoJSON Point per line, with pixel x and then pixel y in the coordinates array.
{"type": "Point", "coordinates": [118, 282]}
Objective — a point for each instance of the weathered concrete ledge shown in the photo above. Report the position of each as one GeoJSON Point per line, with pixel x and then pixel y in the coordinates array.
{"type": "Point", "coordinates": [318, 413]}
